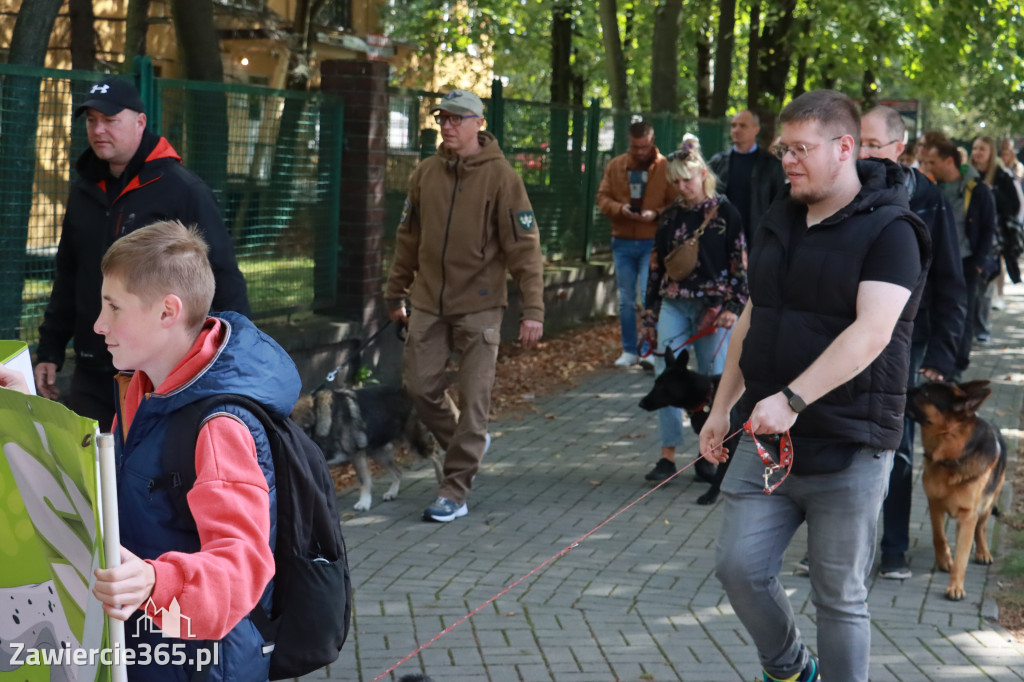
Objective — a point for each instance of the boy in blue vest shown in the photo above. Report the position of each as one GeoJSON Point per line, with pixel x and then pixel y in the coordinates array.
{"type": "Point", "coordinates": [200, 580]}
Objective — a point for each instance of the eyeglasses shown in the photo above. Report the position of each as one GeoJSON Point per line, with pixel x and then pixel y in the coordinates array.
{"type": "Point", "coordinates": [872, 147]}
{"type": "Point", "coordinates": [450, 119]}
{"type": "Point", "coordinates": [800, 151]}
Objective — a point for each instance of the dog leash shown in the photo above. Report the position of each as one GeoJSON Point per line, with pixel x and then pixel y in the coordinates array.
{"type": "Point", "coordinates": [548, 561]}
{"type": "Point", "coordinates": [400, 331]}
{"type": "Point", "coordinates": [699, 335]}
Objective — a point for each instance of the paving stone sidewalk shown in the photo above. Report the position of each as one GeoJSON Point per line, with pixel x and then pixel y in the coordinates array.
{"type": "Point", "coordinates": [637, 599]}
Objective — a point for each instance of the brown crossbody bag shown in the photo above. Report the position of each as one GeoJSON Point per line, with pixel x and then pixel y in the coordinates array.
{"type": "Point", "coordinates": [682, 260]}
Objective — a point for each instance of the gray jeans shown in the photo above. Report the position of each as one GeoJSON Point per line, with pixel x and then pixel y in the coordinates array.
{"type": "Point", "coordinates": [841, 511]}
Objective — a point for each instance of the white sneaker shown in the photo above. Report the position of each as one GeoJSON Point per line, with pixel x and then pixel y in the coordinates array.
{"type": "Point", "coordinates": [627, 360]}
{"type": "Point", "coordinates": [998, 303]}
{"type": "Point", "coordinates": [487, 442]}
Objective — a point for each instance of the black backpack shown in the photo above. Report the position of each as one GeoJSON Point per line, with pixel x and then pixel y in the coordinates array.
{"type": "Point", "coordinates": [312, 599]}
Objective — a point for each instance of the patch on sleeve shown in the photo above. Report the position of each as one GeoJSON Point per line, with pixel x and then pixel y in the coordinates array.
{"type": "Point", "coordinates": [405, 213]}
{"type": "Point", "coordinates": [525, 219]}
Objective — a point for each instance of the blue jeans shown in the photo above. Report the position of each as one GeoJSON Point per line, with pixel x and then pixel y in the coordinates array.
{"type": "Point", "coordinates": [896, 510]}
{"type": "Point", "coordinates": [841, 511]}
{"type": "Point", "coordinates": [678, 321]}
{"type": "Point", "coordinates": [632, 259]}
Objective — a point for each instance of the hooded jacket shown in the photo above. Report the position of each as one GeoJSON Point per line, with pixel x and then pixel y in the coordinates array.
{"type": "Point", "coordinates": [804, 297]}
{"type": "Point", "coordinates": [613, 194]}
{"type": "Point", "coordinates": [156, 187]}
{"type": "Point", "coordinates": [466, 221]}
{"type": "Point", "coordinates": [219, 568]}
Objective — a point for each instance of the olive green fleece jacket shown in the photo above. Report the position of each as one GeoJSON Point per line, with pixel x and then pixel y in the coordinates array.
{"type": "Point", "coordinates": [465, 223]}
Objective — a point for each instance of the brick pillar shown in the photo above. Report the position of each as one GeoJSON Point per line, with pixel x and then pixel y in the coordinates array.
{"type": "Point", "coordinates": [363, 85]}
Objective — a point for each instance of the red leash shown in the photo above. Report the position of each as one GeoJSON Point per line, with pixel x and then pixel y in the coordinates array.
{"type": "Point", "coordinates": [566, 550]}
{"type": "Point", "coordinates": [699, 335]}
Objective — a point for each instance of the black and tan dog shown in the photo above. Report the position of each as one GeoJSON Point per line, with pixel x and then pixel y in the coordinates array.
{"type": "Point", "coordinates": [679, 386]}
{"type": "Point", "coordinates": [352, 425]}
{"type": "Point", "coordinates": [964, 470]}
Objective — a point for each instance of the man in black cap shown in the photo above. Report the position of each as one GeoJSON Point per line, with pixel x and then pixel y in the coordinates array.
{"type": "Point", "coordinates": [127, 179]}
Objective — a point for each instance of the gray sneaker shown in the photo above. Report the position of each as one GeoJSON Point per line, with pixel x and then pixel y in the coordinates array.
{"type": "Point", "coordinates": [894, 567]}
{"type": "Point", "coordinates": [444, 510]}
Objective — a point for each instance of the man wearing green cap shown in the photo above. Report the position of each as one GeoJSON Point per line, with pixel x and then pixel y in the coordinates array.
{"type": "Point", "coordinates": [467, 220]}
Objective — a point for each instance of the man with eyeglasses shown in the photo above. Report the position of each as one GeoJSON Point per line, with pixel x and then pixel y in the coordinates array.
{"type": "Point", "coordinates": [750, 176]}
{"type": "Point", "coordinates": [467, 219]}
{"type": "Point", "coordinates": [937, 327]}
{"type": "Point", "coordinates": [633, 193]}
{"type": "Point", "coordinates": [836, 274]}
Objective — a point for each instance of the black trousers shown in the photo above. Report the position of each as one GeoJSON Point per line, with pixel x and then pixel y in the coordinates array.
{"type": "Point", "coordinates": [93, 394]}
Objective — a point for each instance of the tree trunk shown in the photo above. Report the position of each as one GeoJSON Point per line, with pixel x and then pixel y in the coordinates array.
{"type": "Point", "coordinates": [704, 68]}
{"type": "Point", "coordinates": [83, 35]}
{"type": "Point", "coordinates": [725, 45]}
{"type": "Point", "coordinates": [608, 9]}
{"type": "Point", "coordinates": [207, 116]}
{"type": "Point", "coordinates": [753, 55]}
{"type": "Point", "coordinates": [775, 48]}
{"type": "Point", "coordinates": [665, 57]}
{"type": "Point", "coordinates": [136, 29]}
{"type": "Point", "coordinates": [29, 40]}
{"type": "Point", "coordinates": [561, 85]}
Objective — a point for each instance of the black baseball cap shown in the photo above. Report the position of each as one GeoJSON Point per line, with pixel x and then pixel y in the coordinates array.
{"type": "Point", "coordinates": [111, 96]}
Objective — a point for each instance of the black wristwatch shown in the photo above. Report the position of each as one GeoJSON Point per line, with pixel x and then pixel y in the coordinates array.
{"type": "Point", "coordinates": [796, 403]}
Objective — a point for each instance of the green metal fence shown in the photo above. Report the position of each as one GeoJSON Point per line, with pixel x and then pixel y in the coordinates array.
{"type": "Point", "coordinates": [272, 157]}
{"type": "Point", "coordinates": [559, 151]}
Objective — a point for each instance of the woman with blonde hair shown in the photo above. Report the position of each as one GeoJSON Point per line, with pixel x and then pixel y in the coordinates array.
{"type": "Point", "coordinates": [698, 282]}
{"type": "Point", "coordinates": [985, 159]}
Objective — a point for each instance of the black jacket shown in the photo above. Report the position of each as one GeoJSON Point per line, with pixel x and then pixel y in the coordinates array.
{"type": "Point", "coordinates": [802, 300]}
{"type": "Point", "coordinates": [980, 226]}
{"type": "Point", "coordinates": [767, 183]}
{"type": "Point", "coordinates": [156, 187]}
{"type": "Point", "coordinates": [940, 318]}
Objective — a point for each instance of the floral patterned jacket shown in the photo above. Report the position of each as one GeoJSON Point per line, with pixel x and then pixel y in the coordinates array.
{"type": "Point", "coordinates": [720, 278]}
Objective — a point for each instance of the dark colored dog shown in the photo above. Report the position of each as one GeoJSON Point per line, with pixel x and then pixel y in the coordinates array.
{"type": "Point", "coordinates": [681, 387]}
{"type": "Point", "coordinates": [352, 425]}
{"type": "Point", "coordinates": [964, 470]}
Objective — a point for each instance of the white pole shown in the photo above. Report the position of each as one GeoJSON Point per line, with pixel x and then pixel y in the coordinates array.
{"type": "Point", "coordinates": [111, 543]}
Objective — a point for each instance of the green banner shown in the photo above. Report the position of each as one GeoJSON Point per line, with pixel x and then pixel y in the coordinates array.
{"type": "Point", "coordinates": [50, 542]}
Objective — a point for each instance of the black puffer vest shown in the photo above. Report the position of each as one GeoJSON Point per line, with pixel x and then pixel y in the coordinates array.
{"type": "Point", "coordinates": [803, 300]}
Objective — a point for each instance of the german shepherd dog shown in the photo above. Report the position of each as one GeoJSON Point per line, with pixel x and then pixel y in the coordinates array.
{"type": "Point", "coordinates": [681, 387]}
{"type": "Point", "coordinates": [964, 470]}
{"type": "Point", "coordinates": [352, 425]}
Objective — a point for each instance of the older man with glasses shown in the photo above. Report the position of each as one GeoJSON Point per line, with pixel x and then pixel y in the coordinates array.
{"type": "Point", "coordinates": [937, 327]}
{"type": "Point", "coordinates": [466, 221]}
{"type": "Point", "coordinates": [820, 356]}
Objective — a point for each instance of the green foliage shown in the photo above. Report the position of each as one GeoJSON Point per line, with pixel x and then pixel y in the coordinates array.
{"type": "Point", "coordinates": [963, 60]}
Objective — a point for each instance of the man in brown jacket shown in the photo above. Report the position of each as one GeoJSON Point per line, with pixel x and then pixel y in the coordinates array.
{"type": "Point", "coordinates": [633, 193]}
{"type": "Point", "coordinates": [466, 220]}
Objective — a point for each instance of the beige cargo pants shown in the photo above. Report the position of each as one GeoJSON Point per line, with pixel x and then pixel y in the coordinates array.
{"type": "Point", "coordinates": [460, 430]}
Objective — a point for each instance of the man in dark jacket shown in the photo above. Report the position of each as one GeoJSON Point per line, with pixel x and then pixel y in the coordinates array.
{"type": "Point", "coordinates": [937, 327]}
{"type": "Point", "coordinates": [750, 176]}
{"type": "Point", "coordinates": [836, 274]}
{"type": "Point", "coordinates": [128, 178]}
{"type": "Point", "coordinates": [974, 211]}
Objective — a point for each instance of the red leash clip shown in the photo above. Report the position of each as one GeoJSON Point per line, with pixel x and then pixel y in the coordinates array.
{"type": "Point", "coordinates": [779, 445]}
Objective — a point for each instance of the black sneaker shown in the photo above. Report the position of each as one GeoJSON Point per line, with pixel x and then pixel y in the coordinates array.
{"type": "Point", "coordinates": [894, 567]}
{"type": "Point", "coordinates": [662, 470]}
{"type": "Point", "coordinates": [803, 567]}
